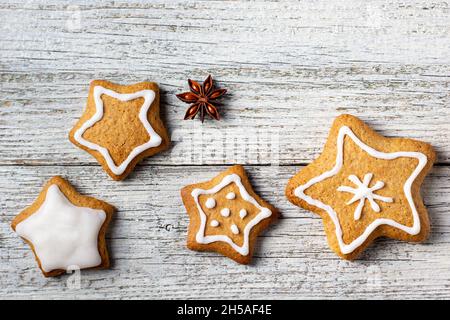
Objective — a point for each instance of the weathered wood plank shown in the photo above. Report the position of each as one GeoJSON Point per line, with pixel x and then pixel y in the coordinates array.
{"type": "Point", "coordinates": [150, 260]}
{"type": "Point", "coordinates": [290, 67]}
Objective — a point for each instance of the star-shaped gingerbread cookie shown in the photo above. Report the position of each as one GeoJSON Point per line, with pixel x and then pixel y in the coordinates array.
{"type": "Point", "coordinates": [121, 126]}
{"type": "Point", "coordinates": [64, 229]}
{"type": "Point", "coordinates": [365, 186]}
{"type": "Point", "coordinates": [226, 215]}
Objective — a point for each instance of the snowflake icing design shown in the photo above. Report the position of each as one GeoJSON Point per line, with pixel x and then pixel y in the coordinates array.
{"type": "Point", "coordinates": [363, 192]}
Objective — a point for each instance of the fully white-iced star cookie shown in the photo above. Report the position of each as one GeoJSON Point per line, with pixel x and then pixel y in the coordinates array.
{"type": "Point", "coordinates": [365, 186]}
{"type": "Point", "coordinates": [65, 230]}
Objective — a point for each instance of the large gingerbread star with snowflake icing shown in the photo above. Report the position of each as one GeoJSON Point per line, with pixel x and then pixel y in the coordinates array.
{"type": "Point", "coordinates": [365, 186]}
{"type": "Point", "coordinates": [121, 126]}
{"type": "Point", "coordinates": [226, 215]}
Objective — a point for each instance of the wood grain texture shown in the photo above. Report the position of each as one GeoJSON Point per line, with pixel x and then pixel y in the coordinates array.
{"type": "Point", "coordinates": [290, 68]}
{"type": "Point", "coordinates": [147, 244]}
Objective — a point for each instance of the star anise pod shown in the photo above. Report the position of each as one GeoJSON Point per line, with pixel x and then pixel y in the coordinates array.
{"type": "Point", "coordinates": [201, 96]}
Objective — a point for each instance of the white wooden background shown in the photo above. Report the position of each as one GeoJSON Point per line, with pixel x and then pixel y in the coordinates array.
{"type": "Point", "coordinates": [290, 67]}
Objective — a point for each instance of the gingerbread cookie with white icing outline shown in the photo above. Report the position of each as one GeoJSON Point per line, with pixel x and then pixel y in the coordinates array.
{"type": "Point", "coordinates": [226, 215]}
{"type": "Point", "coordinates": [65, 229]}
{"type": "Point", "coordinates": [121, 126]}
{"type": "Point", "coordinates": [365, 186]}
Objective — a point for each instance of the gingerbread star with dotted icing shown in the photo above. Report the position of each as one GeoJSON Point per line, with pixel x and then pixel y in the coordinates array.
{"type": "Point", "coordinates": [121, 126]}
{"type": "Point", "coordinates": [226, 215]}
{"type": "Point", "coordinates": [365, 186]}
{"type": "Point", "coordinates": [65, 230]}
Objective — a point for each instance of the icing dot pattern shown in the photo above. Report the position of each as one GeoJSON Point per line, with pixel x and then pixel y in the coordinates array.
{"type": "Point", "coordinates": [222, 216]}
{"type": "Point", "coordinates": [231, 196]}
{"type": "Point", "coordinates": [214, 223]}
{"type": "Point", "coordinates": [225, 212]}
{"type": "Point", "coordinates": [210, 203]}
{"type": "Point", "coordinates": [243, 213]}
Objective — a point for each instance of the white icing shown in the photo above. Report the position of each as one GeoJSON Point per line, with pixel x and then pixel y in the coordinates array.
{"type": "Point", "coordinates": [225, 212]}
{"type": "Point", "coordinates": [363, 192]}
{"type": "Point", "coordinates": [243, 213]}
{"type": "Point", "coordinates": [234, 229]}
{"type": "Point", "coordinates": [348, 248]}
{"type": "Point", "coordinates": [214, 223]}
{"type": "Point", "coordinates": [263, 213]}
{"type": "Point", "coordinates": [231, 195]}
{"type": "Point", "coordinates": [155, 139]}
{"type": "Point", "coordinates": [210, 203]}
{"type": "Point", "coordinates": [62, 234]}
